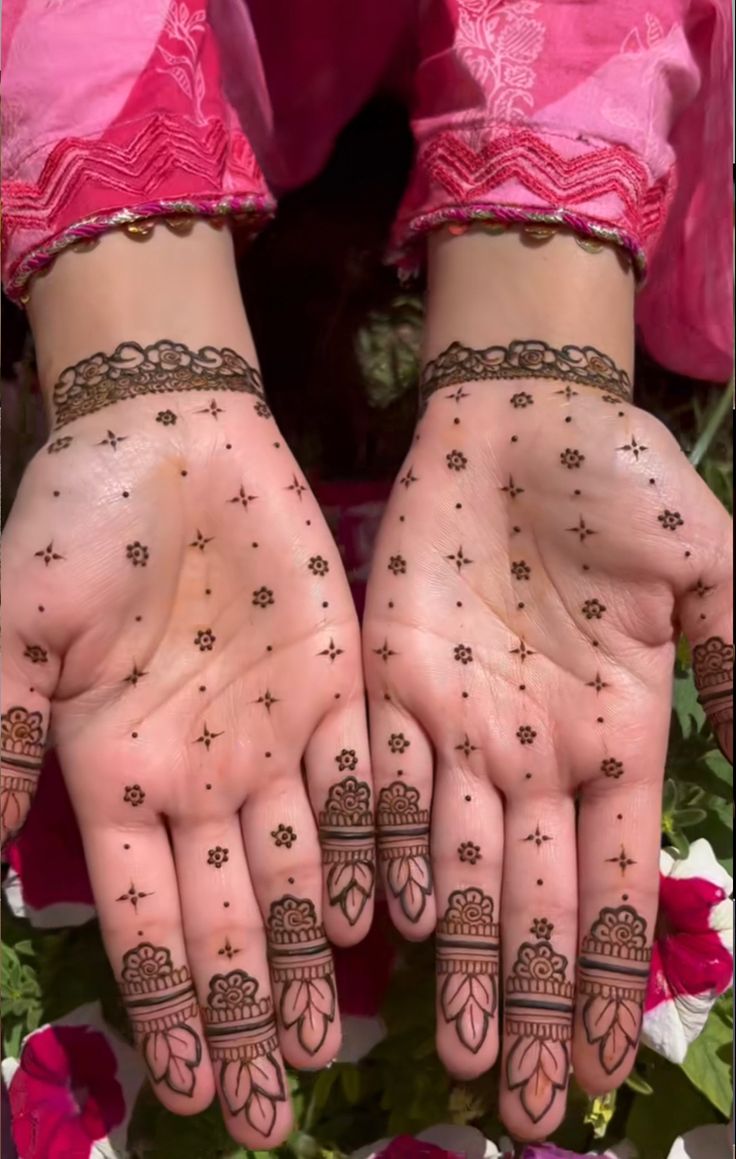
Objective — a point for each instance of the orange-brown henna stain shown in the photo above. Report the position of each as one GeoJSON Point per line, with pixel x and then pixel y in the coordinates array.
{"type": "Point", "coordinates": [467, 965]}
{"type": "Point", "coordinates": [713, 671]}
{"type": "Point", "coordinates": [538, 1009]}
{"type": "Point", "coordinates": [613, 970]}
{"type": "Point", "coordinates": [160, 1001]}
{"type": "Point", "coordinates": [403, 847]}
{"type": "Point", "coordinates": [242, 1040]}
{"type": "Point", "coordinates": [347, 837]}
{"type": "Point", "coordinates": [23, 736]}
{"type": "Point", "coordinates": [302, 970]}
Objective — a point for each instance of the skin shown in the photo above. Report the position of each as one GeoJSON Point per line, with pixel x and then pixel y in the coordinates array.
{"type": "Point", "coordinates": [485, 651]}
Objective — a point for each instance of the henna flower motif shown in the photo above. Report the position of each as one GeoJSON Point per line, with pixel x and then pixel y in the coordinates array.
{"type": "Point", "coordinates": [205, 640]}
{"type": "Point", "coordinates": [541, 928]}
{"type": "Point", "coordinates": [145, 962]}
{"type": "Point", "coordinates": [593, 609]}
{"type": "Point", "coordinates": [531, 355]}
{"type": "Point", "coordinates": [399, 798]}
{"type": "Point", "coordinates": [262, 598]}
{"type": "Point", "coordinates": [167, 418]}
{"type": "Point", "coordinates": [522, 400]}
{"type": "Point", "coordinates": [610, 767]}
{"type": "Point", "coordinates": [169, 355]}
{"type": "Point", "coordinates": [36, 654]}
{"type": "Point", "coordinates": [540, 961]}
{"type": "Point", "coordinates": [469, 907]}
{"type": "Point", "coordinates": [217, 856]}
{"type": "Point", "coordinates": [671, 520]}
{"type": "Point", "coordinates": [292, 913]}
{"type": "Point", "coordinates": [283, 835]}
{"type": "Point", "coordinates": [262, 410]}
{"type": "Point", "coordinates": [134, 795]}
{"type": "Point", "coordinates": [521, 570]}
{"type": "Point", "coordinates": [525, 734]}
{"type": "Point", "coordinates": [692, 955]}
{"type": "Point", "coordinates": [456, 460]}
{"type": "Point", "coordinates": [572, 459]}
{"type": "Point", "coordinates": [349, 798]}
{"type": "Point", "coordinates": [346, 759]}
{"type": "Point", "coordinates": [463, 654]}
{"type": "Point", "coordinates": [137, 553]}
{"type": "Point", "coordinates": [235, 989]}
{"type": "Point", "coordinates": [397, 565]}
{"type": "Point", "coordinates": [469, 853]}
{"type": "Point", "coordinates": [318, 566]}
{"type": "Point", "coordinates": [398, 743]}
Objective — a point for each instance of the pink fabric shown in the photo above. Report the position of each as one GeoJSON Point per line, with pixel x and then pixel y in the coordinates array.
{"type": "Point", "coordinates": [611, 119]}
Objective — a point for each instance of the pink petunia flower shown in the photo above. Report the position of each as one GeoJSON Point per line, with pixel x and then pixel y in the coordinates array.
{"type": "Point", "coordinates": [71, 1090]}
{"type": "Point", "coordinates": [692, 957]}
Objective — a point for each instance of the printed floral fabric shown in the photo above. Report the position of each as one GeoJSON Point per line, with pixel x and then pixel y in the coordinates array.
{"type": "Point", "coordinates": [611, 119]}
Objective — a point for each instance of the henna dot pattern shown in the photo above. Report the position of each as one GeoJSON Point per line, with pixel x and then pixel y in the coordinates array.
{"type": "Point", "coordinates": [572, 459]}
{"type": "Point", "coordinates": [218, 856]}
{"type": "Point", "coordinates": [137, 553]}
{"type": "Point", "coordinates": [456, 460]}
{"type": "Point", "coordinates": [469, 853]}
{"type": "Point", "coordinates": [463, 653]}
{"type": "Point", "coordinates": [133, 795]}
{"type": "Point", "coordinates": [302, 971]}
{"type": "Point", "coordinates": [467, 965]}
{"type": "Point", "coordinates": [283, 836]}
{"type": "Point", "coordinates": [205, 639]}
{"type": "Point", "coordinates": [525, 734]}
{"type": "Point", "coordinates": [671, 520]}
{"type": "Point", "coordinates": [262, 598]}
{"type": "Point", "coordinates": [262, 409]}
{"type": "Point", "coordinates": [398, 743]}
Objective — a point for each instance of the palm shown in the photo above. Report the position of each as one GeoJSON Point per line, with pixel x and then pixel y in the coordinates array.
{"type": "Point", "coordinates": [520, 637]}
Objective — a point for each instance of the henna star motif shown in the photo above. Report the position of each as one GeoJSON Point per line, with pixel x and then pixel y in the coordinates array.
{"type": "Point", "coordinates": [228, 951]}
{"type": "Point", "coordinates": [134, 676]}
{"type": "Point", "coordinates": [200, 541]}
{"type": "Point", "coordinates": [211, 409]}
{"type": "Point", "coordinates": [466, 748]}
{"type": "Point", "coordinates": [701, 589]}
{"type": "Point", "coordinates": [568, 393]}
{"type": "Point", "coordinates": [458, 395]}
{"type": "Point", "coordinates": [459, 559]}
{"type": "Point", "coordinates": [48, 555]}
{"type": "Point", "coordinates": [634, 447]}
{"type": "Point", "coordinates": [599, 684]}
{"type": "Point", "coordinates": [267, 700]}
{"type": "Point", "coordinates": [206, 737]}
{"type": "Point", "coordinates": [511, 488]}
{"type": "Point", "coordinates": [582, 530]}
{"type": "Point", "coordinates": [622, 860]}
{"type": "Point", "coordinates": [522, 651]}
{"type": "Point", "coordinates": [409, 478]}
{"type": "Point", "coordinates": [297, 487]}
{"type": "Point", "coordinates": [112, 440]}
{"type": "Point", "coordinates": [133, 896]}
{"type": "Point", "coordinates": [538, 837]}
{"type": "Point", "coordinates": [384, 652]}
{"type": "Point", "coordinates": [331, 651]}
{"type": "Point", "coordinates": [242, 498]}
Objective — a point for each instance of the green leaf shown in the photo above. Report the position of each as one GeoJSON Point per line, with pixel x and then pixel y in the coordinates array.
{"type": "Point", "coordinates": [674, 1107]}
{"type": "Point", "coordinates": [717, 764]}
{"type": "Point", "coordinates": [636, 1083]}
{"type": "Point", "coordinates": [350, 1082]}
{"type": "Point", "coordinates": [686, 705]}
{"type": "Point", "coordinates": [686, 817]}
{"type": "Point", "coordinates": [706, 1068]}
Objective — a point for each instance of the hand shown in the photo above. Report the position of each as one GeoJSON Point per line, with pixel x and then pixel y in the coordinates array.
{"type": "Point", "coordinates": [175, 603]}
{"type": "Point", "coordinates": [540, 551]}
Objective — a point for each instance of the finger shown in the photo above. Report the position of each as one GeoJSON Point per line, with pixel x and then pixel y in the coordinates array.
{"type": "Point", "coordinates": [401, 757]}
{"type": "Point", "coordinates": [135, 888]}
{"type": "Point", "coordinates": [226, 946]}
{"type": "Point", "coordinates": [467, 856]}
{"type": "Point", "coordinates": [706, 614]}
{"type": "Point", "coordinates": [339, 784]}
{"type": "Point", "coordinates": [538, 923]}
{"type": "Point", "coordinates": [618, 856]}
{"type": "Point", "coordinates": [284, 862]}
{"type": "Point", "coordinates": [25, 715]}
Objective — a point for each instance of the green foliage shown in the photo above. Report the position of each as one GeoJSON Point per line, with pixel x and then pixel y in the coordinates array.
{"type": "Point", "coordinates": [708, 1061]}
{"type": "Point", "coordinates": [674, 1106]}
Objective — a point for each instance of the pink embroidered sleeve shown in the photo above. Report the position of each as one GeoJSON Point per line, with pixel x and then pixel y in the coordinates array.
{"type": "Point", "coordinates": [113, 112]}
{"type": "Point", "coordinates": [611, 119]}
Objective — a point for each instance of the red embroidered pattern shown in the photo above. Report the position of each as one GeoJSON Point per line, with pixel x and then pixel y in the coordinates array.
{"type": "Point", "coordinates": [526, 158]}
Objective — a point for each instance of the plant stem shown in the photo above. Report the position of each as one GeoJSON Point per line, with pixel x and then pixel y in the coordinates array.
{"type": "Point", "coordinates": [710, 430]}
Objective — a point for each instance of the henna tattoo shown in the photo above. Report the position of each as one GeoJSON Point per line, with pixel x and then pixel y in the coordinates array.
{"type": "Point", "coordinates": [331, 651]}
{"type": "Point", "coordinates": [521, 400]}
{"type": "Point", "coordinates": [48, 555]}
{"type": "Point", "coordinates": [23, 736]}
{"type": "Point", "coordinates": [713, 672]}
{"type": "Point", "coordinates": [622, 860]}
{"type": "Point", "coordinates": [384, 652]}
{"type": "Point", "coordinates": [572, 459]}
{"type": "Point", "coordinates": [213, 408]}
{"type": "Point", "coordinates": [634, 447]}
{"type": "Point", "coordinates": [568, 393]}
{"type": "Point", "coordinates": [206, 737]}
{"type": "Point", "coordinates": [466, 747]}
{"type": "Point", "coordinates": [134, 676]}
{"type": "Point", "coordinates": [610, 767]}
{"type": "Point", "coordinates": [160, 1001]}
{"type": "Point", "coordinates": [297, 487]}
{"type": "Point", "coordinates": [397, 565]}
{"type": "Point", "coordinates": [218, 856]}
{"type": "Point", "coordinates": [111, 440]}
{"type": "Point", "coordinates": [200, 541]}
{"type": "Point", "coordinates": [243, 498]}
{"type": "Point", "coordinates": [262, 409]}
{"type": "Point", "coordinates": [318, 566]}
{"type": "Point", "coordinates": [228, 951]}
{"type": "Point", "coordinates": [398, 743]}
{"type": "Point", "coordinates": [205, 639]}
{"type": "Point", "coordinates": [302, 968]}
{"type": "Point", "coordinates": [701, 589]}
{"type": "Point", "coordinates": [598, 683]}
{"type": "Point", "coordinates": [167, 418]}
{"type": "Point", "coordinates": [459, 559]}
{"type": "Point", "coordinates": [262, 598]}
{"type": "Point", "coordinates": [671, 520]}
{"type": "Point", "coordinates": [36, 654]}
{"type": "Point", "coordinates": [525, 358]}
{"type": "Point", "coordinates": [133, 896]}
{"type": "Point", "coordinates": [538, 837]}
{"type": "Point", "coordinates": [403, 847]}
{"type": "Point", "coordinates": [593, 610]}
{"type": "Point", "coordinates": [59, 445]}
{"type": "Point", "coordinates": [456, 460]}
{"type": "Point", "coordinates": [133, 795]}
{"type": "Point", "coordinates": [467, 962]}
{"type": "Point", "coordinates": [538, 1008]}
{"type": "Point", "coordinates": [523, 652]}
{"type": "Point", "coordinates": [409, 478]}
{"type": "Point", "coordinates": [346, 759]}
{"type": "Point", "coordinates": [613, 970]}
{"type": "Point", "coordinates": [469, 853]}
{"type": "Point", "coordinates": [582, 530]}
{"type": "Point", "coordinates": [268, 701]}
{"type": "Point", "coordinates": [463, 653]}
{"type": "Point", "coordinates": [241, 1036]}
{"type": "Point", "coordinates": [525, 734]}
{"type": "Point", "coordinates": [347, 837]}
{"type": "Point", "coordinates": [283, 836]}
{"type": "Point", "coordinates": [541, 928]}
{"type": "Point", "coordinates": [511, 489]}
{"type": "Point", "coordinates": [520, 570]}
{"type": "Point", "coordinates": [138, 554]}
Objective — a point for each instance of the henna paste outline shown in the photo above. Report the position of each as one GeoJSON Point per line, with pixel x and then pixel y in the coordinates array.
{"type": "Point", "coordinates": [21, 754]}
{"type": "Point", "coordinates": [347, 837]}
{"type": "Point", "coordinates": [403, 847]}
{"type": "Point", "coordinates": [713, 672]}
{"type": "Point", "coordinates": [467, 962]}
{"type": "Point", "coordinates": [301, 963]}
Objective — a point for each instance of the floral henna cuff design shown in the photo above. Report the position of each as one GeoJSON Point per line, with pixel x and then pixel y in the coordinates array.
{"type": "Point", "coordinates": [612, 976]}
{"type": "Point", "coordinates": [539, 1007]}
{"type": "Point", "coordinates": [160, 1001]}
{"type": "Point", "coordinates": [23, 736]}
{"type": "Point", "coordinates": [403, 847]}
{"type": "Point", "coordinates": [132, 370]}
{"type": "Point", "coordinates": [526, 359]}
{"type": "Point", "coordinates": [302, 967]}
{"type": "Point", "coordinates": [242, 1040]}
{"type": "Point", "coordinates": [713, 670]}
{"type": "Point", "coordinates": [347, 836]}
{"type": "Point", "coordinates": [467, 963]}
